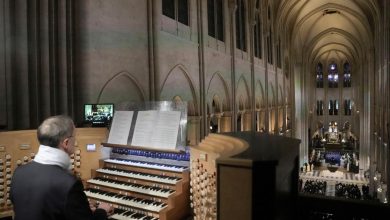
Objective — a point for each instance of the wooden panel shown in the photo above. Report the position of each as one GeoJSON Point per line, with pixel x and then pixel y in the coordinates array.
{"type": "Point", "coordinates": [237, 195]}
{"type": "Point", "coordinates": [16, 147]}
{"type": "Point", "coordinates": [89, 160]}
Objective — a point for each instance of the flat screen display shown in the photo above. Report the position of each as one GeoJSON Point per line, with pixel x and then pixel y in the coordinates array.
{"type": "Point", "coordinates": [91, 147]}
{"type": "Point", "coordinates": [98, 115]}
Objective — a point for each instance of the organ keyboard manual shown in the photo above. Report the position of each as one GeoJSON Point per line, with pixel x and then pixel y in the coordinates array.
{"type": "Point", "coordinates": [147, 173]}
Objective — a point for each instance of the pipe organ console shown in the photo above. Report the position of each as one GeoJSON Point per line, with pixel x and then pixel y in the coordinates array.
{"type": "Point", "coordinates": [142, 184]}
{"type": "Point", "coordinates": [244, 175]}
{"type": "Point", "coordinates": [233, 175]}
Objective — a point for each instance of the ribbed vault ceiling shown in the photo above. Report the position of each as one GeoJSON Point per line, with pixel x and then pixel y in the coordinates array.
{"type": "Point", "coordinates": [328, 29]}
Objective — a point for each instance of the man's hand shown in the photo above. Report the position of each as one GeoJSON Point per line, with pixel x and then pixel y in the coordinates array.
{"type": "Point", "coordinates": [107, 207]}
{"type": "Point", "coordinates": [92, 206]}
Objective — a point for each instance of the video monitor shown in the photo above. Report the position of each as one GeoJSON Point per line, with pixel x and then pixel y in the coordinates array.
{"type": "Point", "coordinates": [98, 115]}
{"type": "Point", "coordinates": [91, 147]}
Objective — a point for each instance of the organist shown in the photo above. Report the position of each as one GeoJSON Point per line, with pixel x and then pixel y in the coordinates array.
{"type": "Point", "coordinates": [44, 189]}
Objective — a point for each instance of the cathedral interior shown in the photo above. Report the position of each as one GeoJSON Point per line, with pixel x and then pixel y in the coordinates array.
{"type": "Point", "coordinates": [313, 70]}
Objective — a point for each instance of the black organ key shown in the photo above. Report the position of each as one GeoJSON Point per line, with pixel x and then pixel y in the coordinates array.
{"type": "Point", "coordinates": [138, 216]}
{"type": "Point", "coordinates": [129, 213]}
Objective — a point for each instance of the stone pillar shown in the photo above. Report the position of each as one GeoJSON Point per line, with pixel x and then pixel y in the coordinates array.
{"type": "Point", "coordinates": [225, 123]}
{"type": "Point", "coordinates": [193, 130]}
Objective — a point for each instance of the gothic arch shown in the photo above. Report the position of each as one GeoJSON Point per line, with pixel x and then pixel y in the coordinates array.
{"type": "Point", "coordinates": [259, 94]}
{"type": "Point", "coordinates": [242, 91]}
{"type": "Point", "coordinates": [217, 86]}
{"type": "Point", "coordinates": [178, 81]}
{"type": "Point", "coordinates": [121, 87]}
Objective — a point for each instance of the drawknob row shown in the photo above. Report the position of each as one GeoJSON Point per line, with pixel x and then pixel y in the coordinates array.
{"type": "Point", "coordinates": [203, 192]}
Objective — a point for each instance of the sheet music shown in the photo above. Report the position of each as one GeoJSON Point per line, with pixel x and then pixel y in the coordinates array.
{"type": "Point", "coordinates": [144, 128]}
{"type": "Point", "coordinates": [166, 130]}
{"type": "Point", "coordinates": [120, 127]}
{"type": "Point", "coordinates": [156, 129]}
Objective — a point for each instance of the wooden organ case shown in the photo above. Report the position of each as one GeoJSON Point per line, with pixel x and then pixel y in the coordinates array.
{"type": "Point", "coordinates": [142, 184]}
{"type": "Point", "coordinates": [244, 175]}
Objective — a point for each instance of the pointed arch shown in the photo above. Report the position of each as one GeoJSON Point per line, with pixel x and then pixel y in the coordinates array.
{"type": "Point", "coordinates": [174, 84]}
{"type": "Point", "coordinates": [121, 87]}
{"type": "Point", "coordinates": [217, 86]}
{"type": "Point", "coordinates": [259, 94]}
{"type": "Point", "coordinates": [242, 91]}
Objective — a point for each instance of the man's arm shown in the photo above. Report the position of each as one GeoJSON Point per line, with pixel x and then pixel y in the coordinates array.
{"type": "Point", "coordinates": [77, 205]}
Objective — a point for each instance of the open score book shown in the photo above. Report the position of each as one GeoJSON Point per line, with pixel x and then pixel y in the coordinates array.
{"type": "Point", "coordinates": [152, 129]}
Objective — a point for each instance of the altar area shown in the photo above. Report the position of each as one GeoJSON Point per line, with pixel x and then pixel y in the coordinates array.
{"type": "Point", "coordinates": [333, 149]}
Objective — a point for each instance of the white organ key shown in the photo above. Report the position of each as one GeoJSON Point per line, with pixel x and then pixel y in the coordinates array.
{"type": "Point", "coordinates": [120, 214]}
{"type": "Point", "coordinates": [137, 175]}
{"type": "Point", "coordinates": [147, 165]}
{"type": "Point", "coordinates": [154, 191]}
{"type": "Point", "coordinates": [126, 200]}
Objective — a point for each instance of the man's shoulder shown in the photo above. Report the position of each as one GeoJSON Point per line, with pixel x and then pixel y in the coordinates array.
{"type": "Point", "coordinates": [45, 170]}
{"type": "Point", "coordinates": [26, 167]}
{"type": "Point", "coordinates": [36, 166]}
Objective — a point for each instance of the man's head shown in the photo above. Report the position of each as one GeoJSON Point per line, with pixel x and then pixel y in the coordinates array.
{"type": "Point", "coordinates": [58, 132]}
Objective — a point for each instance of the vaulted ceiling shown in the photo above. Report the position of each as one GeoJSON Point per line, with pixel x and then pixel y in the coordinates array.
{"type": "Point", "coordinates": [328, 29]}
